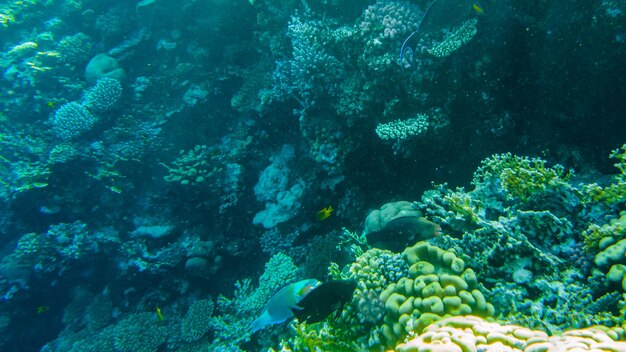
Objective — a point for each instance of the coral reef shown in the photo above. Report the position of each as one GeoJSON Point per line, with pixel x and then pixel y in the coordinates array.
{"type": "Point", "coordinates": [162, 165]}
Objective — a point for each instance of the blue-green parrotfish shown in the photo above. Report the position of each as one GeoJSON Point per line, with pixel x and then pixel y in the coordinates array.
{"type": "Point", "coordinates": [282, 305]}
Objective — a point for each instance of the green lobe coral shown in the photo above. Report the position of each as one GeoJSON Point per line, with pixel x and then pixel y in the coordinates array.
{"type": "Point", "coordinates": [437, 285]}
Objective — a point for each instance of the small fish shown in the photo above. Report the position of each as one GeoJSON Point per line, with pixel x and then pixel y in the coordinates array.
{"type": "Point", "coordinates": [42, 309]}
{"type": "Point", "coordinates": [324, 213]}
{"type": "Point", "coordinates": [479, 10]}
{"type": "Point", "coordinates": [114, 189]}
{"type": "Point", "coordinates": [51, 104]}
{"type": "Point", "coordinates": [159, 314]}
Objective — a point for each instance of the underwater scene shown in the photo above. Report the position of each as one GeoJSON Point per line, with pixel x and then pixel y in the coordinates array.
{"type": "Point", "coordinates": [312, 175]}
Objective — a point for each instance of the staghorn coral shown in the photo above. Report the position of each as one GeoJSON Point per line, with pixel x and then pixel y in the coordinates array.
{"type": "Point", "coordinates": [519, 178]}
{"type": "Point", "coordinates": [61, 248]}
{"type": "Point", "coordinates": [597, 238]}
{"type": "Point", "coordinates": [521, 229]}
{"type": "Point", "coordinates": [22, 50]}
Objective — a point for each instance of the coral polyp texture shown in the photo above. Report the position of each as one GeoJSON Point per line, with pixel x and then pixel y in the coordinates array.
{"type": "Point", "coordinates": [403, 129]}
{"type": "Point", "coordinates": [72, 120]}
{"type": "Point", "coordinates": [103, 96]}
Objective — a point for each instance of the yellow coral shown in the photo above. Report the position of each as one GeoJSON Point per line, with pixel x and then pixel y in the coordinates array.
{"type": "Point", "coordinates": [471, 333]}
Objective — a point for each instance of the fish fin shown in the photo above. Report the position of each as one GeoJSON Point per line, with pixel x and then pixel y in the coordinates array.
{"type": "Point", "coordinates": [259, 323]}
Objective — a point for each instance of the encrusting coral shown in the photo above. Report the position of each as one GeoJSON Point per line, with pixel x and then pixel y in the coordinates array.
{"type": "Point", "coordinates": [471, 333]}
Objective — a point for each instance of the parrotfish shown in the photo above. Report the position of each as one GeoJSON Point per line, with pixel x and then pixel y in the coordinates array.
{"type": "Point", "coordinates": [397, 225]}
{"type": "Point", "coordinates": [282, 305]}
{"type": "Point", "coordinates": [324, 300]}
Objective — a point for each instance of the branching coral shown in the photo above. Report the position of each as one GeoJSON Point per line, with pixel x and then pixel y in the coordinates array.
{"type": "Point", "coordinates": [615, 193]}
{"type": "Point", "coordinates": [196, 322]}
{"type": "Point", "coordinates": [522, 225]}
{"type": "Point", "coordinates": [520, 178]}
{"type": "Point", "coordinates": [104, 95]}
{"type": "Point", "coordinates": [72, 120]}
{"type": "Point", "coordinates": [403, 129]}
{"type": "Point", "coordinates": [455, 39]}
{"type": "Point", "coordinates": [192, 167]}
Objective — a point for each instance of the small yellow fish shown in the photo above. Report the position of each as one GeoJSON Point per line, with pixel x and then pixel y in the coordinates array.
{"type": "Point", "coordinates": [324, 213]}
{"type": "Point", "coordinates": [479, 10]}
{"type": "Point", "coordinates": [159, 314]}
{"type": "Point", "coordinates": [42, 309]}
{"type": "Point", "coordinates": [52, 104]}
{"type": "Point", "coordinates": [114, 189]}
